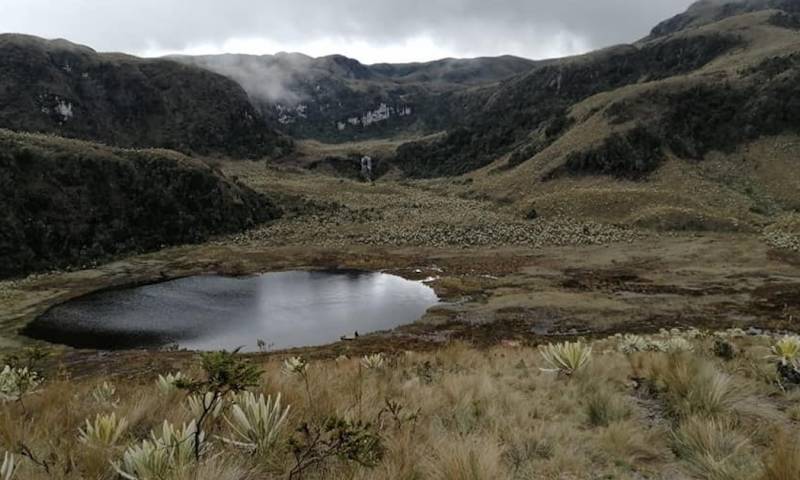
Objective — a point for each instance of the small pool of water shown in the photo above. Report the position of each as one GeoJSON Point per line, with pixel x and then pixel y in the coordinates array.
{"type": "Point", "coordinates": [284, 309]}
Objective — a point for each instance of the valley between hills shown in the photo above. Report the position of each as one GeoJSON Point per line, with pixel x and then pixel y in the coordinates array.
{"type": "Point", "coordinates": [611, 242]}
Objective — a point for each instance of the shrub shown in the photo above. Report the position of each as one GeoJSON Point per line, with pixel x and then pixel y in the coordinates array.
{"type": "Point", "coordinates": [566, 358]}
{"type": "Point", "coordinates": [349, 441]}
{"type": "Point", "coordinates": [225, 373]}
{"type": "Point", "coordinates": [15, 383]}
{"type": "Point", "coordinates": [256, 422]}
{"type": "Point", "coordinates": [724, 349]}
{"type": "Point", "coordinates": [104, 432]}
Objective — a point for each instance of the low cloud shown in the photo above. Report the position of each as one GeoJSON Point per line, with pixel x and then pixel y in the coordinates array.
{"type": "Point", "coordinates": [375, 30]}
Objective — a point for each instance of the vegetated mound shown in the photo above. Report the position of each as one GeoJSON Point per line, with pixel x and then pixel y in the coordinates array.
{"type": "Point", "coordinates": [336, 98]}
{"type": "Point", "coordinates": [66, 202]}
{"type": "Point", "coordinates": [72, 91]}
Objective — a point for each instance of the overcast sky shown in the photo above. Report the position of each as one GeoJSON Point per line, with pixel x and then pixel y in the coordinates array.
{"type": "Point", "coordinates": [369, 30]}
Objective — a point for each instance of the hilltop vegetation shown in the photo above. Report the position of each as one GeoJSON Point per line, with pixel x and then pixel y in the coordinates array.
{"type": "Point", "coordinates": [66, 202]}
{"type": "Point", "coordinates": [70, 90]}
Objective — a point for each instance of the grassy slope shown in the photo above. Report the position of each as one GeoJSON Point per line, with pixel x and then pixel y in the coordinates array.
{"type": "Point", "coordinates": [742, 188]}
{"type": "Point", "coordinates": [466, 414]}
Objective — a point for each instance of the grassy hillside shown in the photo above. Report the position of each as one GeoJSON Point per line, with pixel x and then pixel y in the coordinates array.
{"type": "Point", "coordinates": [707, 141]}
{"type": "Point", "coordinates": [70, 90]}
{"type": "Point", "coordinates": [709, 11]}
{"type": "Point", "coordinates": [66, 202]}
{"type": "Point", "coordinates": [677, 405]}
{"type": "Point", "coordinates": [530, 112]}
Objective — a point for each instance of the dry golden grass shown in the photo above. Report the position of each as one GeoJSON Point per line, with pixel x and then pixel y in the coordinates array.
{"type": "Point", "coordinates": [459, 413]}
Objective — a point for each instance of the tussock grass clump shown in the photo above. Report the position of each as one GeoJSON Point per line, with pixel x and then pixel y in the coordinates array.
{"type": "Point", "coordinates": [604, 408]}
{"type": "Point", "coordinates": [630, 442]}
{"type": "Point", "coordinates": [713, 449]}
{"type": "Point", "coordinates": [690, 386]}
{"type": "Point", "coordinates": [782, 462]}
{"type": "Point", "coordinates": [471, 458]}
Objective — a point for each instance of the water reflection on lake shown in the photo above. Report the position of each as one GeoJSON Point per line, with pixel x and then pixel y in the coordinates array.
{"type": "Point", "coordinates": [284, 309]}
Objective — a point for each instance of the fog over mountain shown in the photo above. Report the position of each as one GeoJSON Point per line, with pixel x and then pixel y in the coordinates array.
{"type": "Point", "coordinates": [371, 31]}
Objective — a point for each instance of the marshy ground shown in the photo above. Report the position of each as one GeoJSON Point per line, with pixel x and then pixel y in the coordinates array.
{"type": "Point", "coordinates": [502, 277]}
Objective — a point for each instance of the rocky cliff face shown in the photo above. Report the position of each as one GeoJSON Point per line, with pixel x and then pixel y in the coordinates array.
{"type": "Point", "coordinates": [337, 98]}
{"type": "Point", "coordinates": [70, 90]}
{"type": "Point", "coordinates": [65, 202]}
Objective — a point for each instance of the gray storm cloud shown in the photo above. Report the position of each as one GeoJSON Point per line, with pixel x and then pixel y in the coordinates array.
{"type": "Point", "coordinates": [524, 27]}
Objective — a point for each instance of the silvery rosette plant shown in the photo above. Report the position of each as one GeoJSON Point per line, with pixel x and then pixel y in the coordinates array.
{"type": "Point", "coordinates": [168, 451]}
{"type": "Point", "coordinates": [373, 362]}
{"type": "Point", "coordinates": [9, 467]}
{"type": "Point", "coordinates": [105, 431]}
{"type": "Point", "coordinates": [566, 358]}
{"type": "Point", "coordinates": [169, 383]}
{"type": "Point", "coordinates": [256, 422]}
{"type": "Point", "coordinates": [295, 366]}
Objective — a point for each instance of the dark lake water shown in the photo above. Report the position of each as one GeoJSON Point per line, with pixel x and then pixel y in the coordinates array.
{"type": "Point", "coordinates": [284, 309]}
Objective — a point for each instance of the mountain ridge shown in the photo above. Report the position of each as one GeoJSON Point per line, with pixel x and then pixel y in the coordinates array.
{"type": "Point", "coordinates": [58, 87]}
{"type": "Point", "coordinates": [338, 98]}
